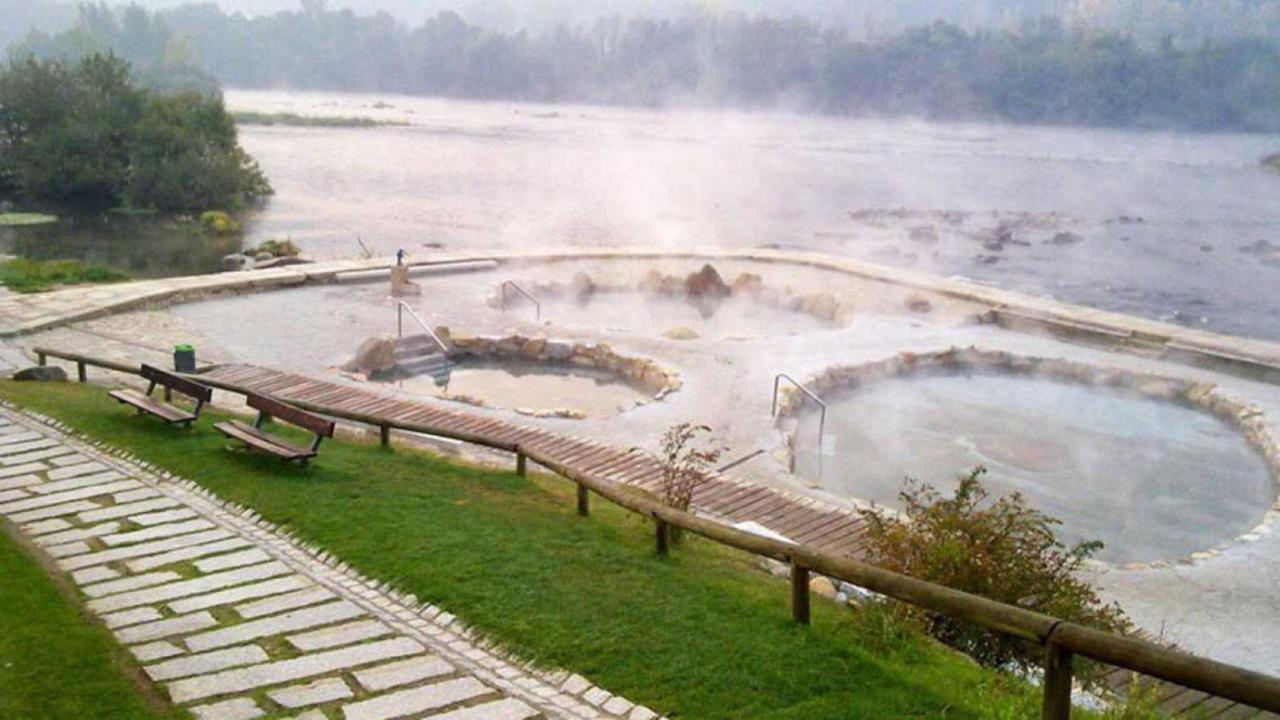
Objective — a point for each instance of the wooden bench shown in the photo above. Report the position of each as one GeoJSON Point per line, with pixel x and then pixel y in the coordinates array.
{"type": "Point", "coordinates": [171, 414]}
{"type": "Point", "coordinates": [255, 438]}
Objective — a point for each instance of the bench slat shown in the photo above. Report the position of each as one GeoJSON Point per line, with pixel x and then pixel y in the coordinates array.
{"type": "Point", "coordinates": [165, 412]}
{"type": "Point", "coordinates": [190, 388]}
{"type": "Point", "coordinates": [254, 437]}
{"type": "Point", "coordinates": [292, 415]}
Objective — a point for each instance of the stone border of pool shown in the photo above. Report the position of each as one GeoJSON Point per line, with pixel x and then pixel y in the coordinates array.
{"type": "Point", "coordinates": [25, 314]}
{"type": "Point", "coordinates": [1250, 421]}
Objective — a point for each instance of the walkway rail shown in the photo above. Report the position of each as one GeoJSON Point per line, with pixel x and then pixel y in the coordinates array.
{"type": "Point", "coordinates": [512, 285]}
{"type": "Point", "coordinates": [1202, 687]}
{"type": "Point", "coordinates": [403, 306]}
{"type": "Point", "coordinates": [822, 419]}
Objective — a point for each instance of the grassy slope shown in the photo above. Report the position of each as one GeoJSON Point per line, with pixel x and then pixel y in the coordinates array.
{"type": "Point", "coordinates": [54, 664]}
{"type": "Point", "coordinates": [698, 635]}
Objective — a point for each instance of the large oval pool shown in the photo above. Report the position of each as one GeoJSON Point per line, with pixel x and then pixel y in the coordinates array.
{"type": "Point", "coordinates": [1153, 480]}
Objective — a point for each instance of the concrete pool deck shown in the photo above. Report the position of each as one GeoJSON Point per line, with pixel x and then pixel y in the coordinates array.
{"type": "Point", "coordinates": [1220, 604]}
{"type": "Point", "coordinates": [24, 314]}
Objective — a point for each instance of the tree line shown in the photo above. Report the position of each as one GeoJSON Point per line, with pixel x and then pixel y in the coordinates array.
{"type": "Point", "coordinates": [81, 135]}
{"type": "Point", "coordinates": [1043, 71]}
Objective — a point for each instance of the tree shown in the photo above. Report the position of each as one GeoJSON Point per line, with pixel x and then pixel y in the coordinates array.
{"type": "Point", "coordinates": [83, 137]}
{"type": "Point", "coordinates": [66, 132]}
{"type": "Point", "coordinates": [186, 157]}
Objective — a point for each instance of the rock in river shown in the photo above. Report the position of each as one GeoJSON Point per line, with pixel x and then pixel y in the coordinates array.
{"type": "Point", "coordinates": [706, 283]}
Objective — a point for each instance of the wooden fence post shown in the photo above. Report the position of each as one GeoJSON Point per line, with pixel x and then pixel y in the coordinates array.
{"type": "Point", "coordinates": [42, 359]}
{"type": "Point", "coordinates": [584, 500]}
{"type": "Point", "coordinates": [82, 371]}
{"type": "Point", "coordinates": [384, 434]}
{"type": "Point", "coordinates": [521, 463]}
{"type": "Point", "coordinates": [1057, 682]}
{"type": "Point", "coordinates": [799, 593]}
{"type": "Point", "coordinates": [662, 532]}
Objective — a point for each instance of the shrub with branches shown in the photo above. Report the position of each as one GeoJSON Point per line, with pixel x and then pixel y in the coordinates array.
{"type": "Point", "coordinates": [1002, 549]}
{"type": "Point", "coordinates": [688, 455]}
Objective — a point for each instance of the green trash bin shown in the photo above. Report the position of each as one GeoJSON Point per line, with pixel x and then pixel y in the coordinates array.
{"type": "Point", "coordinates": [184, 358]}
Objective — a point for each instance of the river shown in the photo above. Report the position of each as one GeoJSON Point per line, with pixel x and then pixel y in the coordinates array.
{"type": "Point", "coordinates": [1150, 223]}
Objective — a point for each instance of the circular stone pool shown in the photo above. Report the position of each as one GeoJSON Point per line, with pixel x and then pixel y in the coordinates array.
{"type": "Point", "coordinates": [1153, 480]}
{"type": "Point", "coordinates": [532, 389]}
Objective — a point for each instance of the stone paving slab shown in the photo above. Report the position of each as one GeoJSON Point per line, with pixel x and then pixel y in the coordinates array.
{"type": "Point", "coordinates": [232, 619]}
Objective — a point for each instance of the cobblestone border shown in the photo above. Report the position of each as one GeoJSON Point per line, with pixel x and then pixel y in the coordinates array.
{"type": "Point", "coordinates": [557, 693]}
{"type": "Point", "coordinates": [1250, 421]}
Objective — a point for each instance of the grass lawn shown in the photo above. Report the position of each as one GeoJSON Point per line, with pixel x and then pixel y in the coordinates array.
{"type": "Point", "coordinates": [31, 276]}
{"type": "Point", "coordinates": [54, 663]}
{"type": "Point", "coordinates": [698, 635]}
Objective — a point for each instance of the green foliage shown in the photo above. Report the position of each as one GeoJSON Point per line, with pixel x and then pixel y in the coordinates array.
{"type": "Point", "coordinates": [143, 39]}
{"type": "Point", "coordinates": [83, 136]}
{"type": "Point", "coordinates": [276, 248]}
{"type": "Point", "coordinates": [1003, 550]}
{"type": "Point", "coordinates": [218, 222]}
{"type": "Point", "coordinates": [1140, 702]}
{"type": "Point", "coordinates": [66, 132]}
{"type": "Point", "coordinates": [30, 276]}
{"type": "Point", "coordinates": [26, 219]}
{"type": "Point", "coordinates": [187, 157]}
{"type": "Point", "coordinates": [699, 634]}
{"type": "Point", "coordinates": [292, 120]}
{"type": "Point", "coordinates": [1039, 71]}
{"type": "Point", "coordinates": [54, 665]}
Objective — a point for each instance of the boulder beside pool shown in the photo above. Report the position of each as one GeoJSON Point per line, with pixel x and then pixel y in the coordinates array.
{"type": "Point", "coordinates": [41, 373]}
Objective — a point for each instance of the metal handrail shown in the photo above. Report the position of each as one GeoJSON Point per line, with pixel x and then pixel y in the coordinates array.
{"type": "Point", "coordinates": [1062, 639]}
{"type": "Point", "coordinates": [744, 459]}
{"type": "Point", "coordinates": [822, 421]}
{"type": "Point", "coordinates": [512, 284]}
{"type": "Point", "coordinates": [401, 306]}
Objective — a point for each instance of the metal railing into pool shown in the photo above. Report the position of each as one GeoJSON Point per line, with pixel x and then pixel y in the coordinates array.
{"type": "Point", "coordinates": [511, 284]}
{"type": "Point", "coordinates": [1062, 639]}
{"type": "Point", "coordinates": [401, 307]}
{"type": "Point", "coordinates": [822, 420]}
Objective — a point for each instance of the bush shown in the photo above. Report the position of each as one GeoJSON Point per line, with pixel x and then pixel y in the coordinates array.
{"type": "Point", "coordinates": [275, 248]}
{"type": "Point", "coordinates": [686, 461]}
{"type": "Point", "coordinates": [219, 223]}
{"type": "Point", "coordinates": [1002, 550]}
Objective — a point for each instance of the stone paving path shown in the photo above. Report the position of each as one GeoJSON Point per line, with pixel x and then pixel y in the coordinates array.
{"type": "Point", "coordinates": [233, 620]}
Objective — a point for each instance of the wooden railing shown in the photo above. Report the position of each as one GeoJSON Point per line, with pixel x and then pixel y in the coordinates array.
{"type": "Point", "coordinates": [1062, 640]}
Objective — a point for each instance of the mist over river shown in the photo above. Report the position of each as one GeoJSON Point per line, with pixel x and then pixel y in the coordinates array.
{"type": "Point", "coordinates": [1180, 227]}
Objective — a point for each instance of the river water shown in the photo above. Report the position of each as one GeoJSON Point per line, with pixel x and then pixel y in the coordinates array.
{"type": "Point", "coordinates": [1147, 223]}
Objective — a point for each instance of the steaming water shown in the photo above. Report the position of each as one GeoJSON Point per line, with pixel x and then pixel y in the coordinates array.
{"type": "Point", "coordinates": [1154, 481]}
{"type": "Point", "coordinates": [1162, 216]}
{"type": "Point", "coordinates": [592, 392]}
{"type": "Point", "coordinates": [644, 313]}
